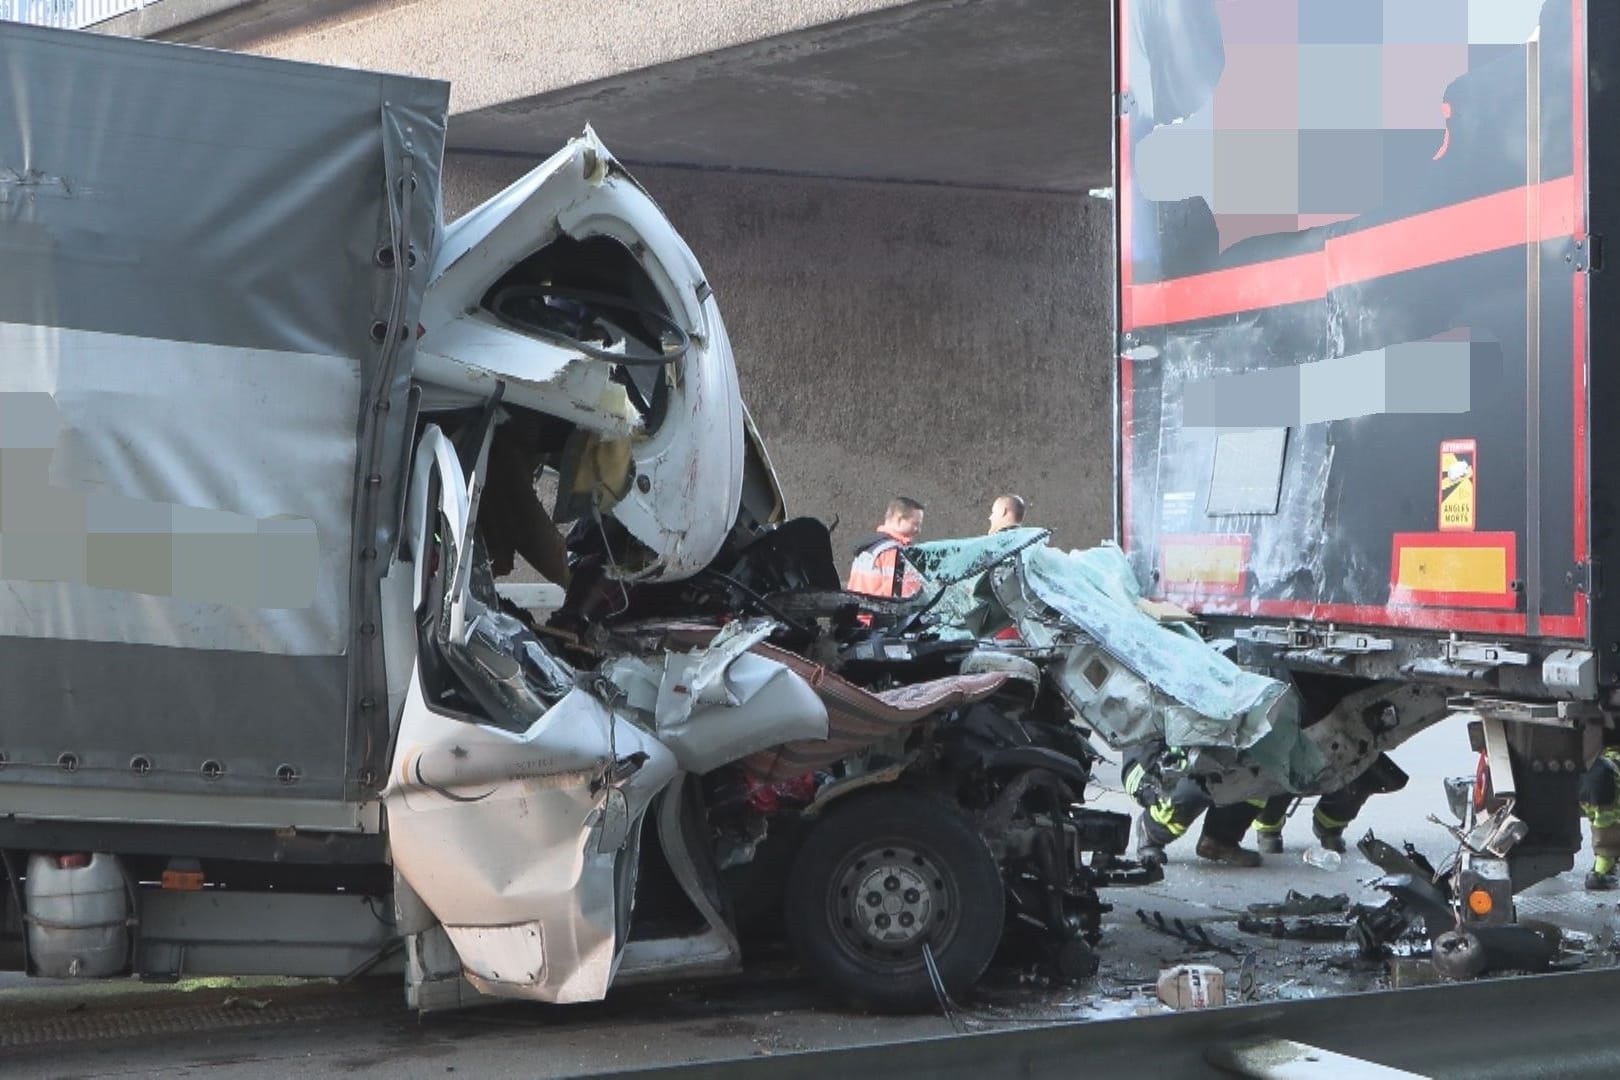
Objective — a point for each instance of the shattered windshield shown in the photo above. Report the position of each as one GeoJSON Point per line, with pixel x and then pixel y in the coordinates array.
{"type": "Point", "coordinates": [954, 591]}
{"type": "Point", "coordinates": [945, 562]}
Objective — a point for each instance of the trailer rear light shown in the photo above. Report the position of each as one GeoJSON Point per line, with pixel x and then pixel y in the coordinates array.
{"type": "Point", "coordinates": [1480, 902]}
{"type": "Point", "coordinates": [1482, 779]}
{"type": "Point", "coordinates": [76, 861]}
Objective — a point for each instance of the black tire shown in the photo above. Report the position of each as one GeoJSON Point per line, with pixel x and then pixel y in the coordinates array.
{"type": "Point", "coordinates": [939, 874]}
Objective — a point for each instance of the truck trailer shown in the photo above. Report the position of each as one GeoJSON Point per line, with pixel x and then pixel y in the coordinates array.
{"type": "Point", "coordinates": [1362, 307]}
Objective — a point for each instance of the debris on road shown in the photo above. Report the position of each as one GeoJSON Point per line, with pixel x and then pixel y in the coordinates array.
{"type": "Point", "coordinates": [1297, 903]}
{"type": "Point", "coordinates": [1304, 929]}
{"type": "Point", "coordinates": [1191, 933]}
{"type": "Point", "coordinates": [1192, 986]}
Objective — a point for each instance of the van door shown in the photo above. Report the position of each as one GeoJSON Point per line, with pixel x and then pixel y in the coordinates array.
{"type": "Point", "coordinates": [516, 793]}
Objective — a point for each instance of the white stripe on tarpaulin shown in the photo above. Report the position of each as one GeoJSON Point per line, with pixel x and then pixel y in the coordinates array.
{"type": "Point", "coordinates": [174, 493]}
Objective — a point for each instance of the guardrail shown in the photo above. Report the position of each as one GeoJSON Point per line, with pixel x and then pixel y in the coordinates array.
{"type": "Point", "coordinates": [1544, 1025]}
{"type": "Point", "coordinates": [67, 14]}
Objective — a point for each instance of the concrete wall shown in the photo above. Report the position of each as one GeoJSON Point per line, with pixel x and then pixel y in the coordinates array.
{"type": "Point", "coordinates": [903, 339]}
{"type": "Point", "coordinates": [493, 51]}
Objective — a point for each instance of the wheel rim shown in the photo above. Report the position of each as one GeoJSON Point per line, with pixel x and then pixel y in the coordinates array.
{"type": "Point", "coordinates": [887, 900]}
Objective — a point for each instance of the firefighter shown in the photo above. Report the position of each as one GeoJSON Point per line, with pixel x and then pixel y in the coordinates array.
{"type": "Point", "coordinates": [1334, 811]}
{"type": "Point", "coordinates": [1170, 806]}
{"type": "Point", "coordinates": [1006, 512]}
{"type": "Point", "coordinates": [1600, 803]}
{"type": "Point", "coordinates": [879, 570]}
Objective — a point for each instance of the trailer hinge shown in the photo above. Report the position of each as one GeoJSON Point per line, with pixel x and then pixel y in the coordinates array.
{"type": "Point", "coordinates": [1584, 578]}
{"type": "Point", "coordinates": [1350, 641]}
{"type": "Point", "coordinates": [1292, 636]}
{"type": "Point", "coordinates": [1481, 654]}
{"type": "Point", "coordinates": [1330, 640]}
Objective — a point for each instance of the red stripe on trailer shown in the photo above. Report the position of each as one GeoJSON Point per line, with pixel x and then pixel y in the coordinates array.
{"type": "Point", "coordinates": [1445, 234]}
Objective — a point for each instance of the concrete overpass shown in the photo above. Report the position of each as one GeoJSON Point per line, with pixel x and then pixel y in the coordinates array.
{"type": "Point", "coordinates": [890, 197]}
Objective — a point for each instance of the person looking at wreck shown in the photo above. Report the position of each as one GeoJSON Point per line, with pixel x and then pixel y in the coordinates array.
{"type": "Point", "coordinates": [878, 569]}
{"type": "Point", "coordinates": [1006, 512]}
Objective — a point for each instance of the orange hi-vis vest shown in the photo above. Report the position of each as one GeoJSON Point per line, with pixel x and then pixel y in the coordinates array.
{"type": "Point", "coordinates": [879, 571]}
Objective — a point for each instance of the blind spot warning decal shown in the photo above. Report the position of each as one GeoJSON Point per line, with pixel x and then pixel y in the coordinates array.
{"type": "Point", "coordinates": [1459, 483]}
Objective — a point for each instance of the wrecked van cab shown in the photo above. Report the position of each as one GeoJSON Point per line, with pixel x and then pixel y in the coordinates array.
{"type": "Point", "coordinates": [572, 296]}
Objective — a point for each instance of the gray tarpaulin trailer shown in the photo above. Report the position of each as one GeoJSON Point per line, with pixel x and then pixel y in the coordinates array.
{"type": "Point", "coordinates": [207, 343]}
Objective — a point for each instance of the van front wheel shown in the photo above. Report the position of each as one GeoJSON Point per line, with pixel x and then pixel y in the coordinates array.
{"type": "Point", "coordinates": [882, 876]}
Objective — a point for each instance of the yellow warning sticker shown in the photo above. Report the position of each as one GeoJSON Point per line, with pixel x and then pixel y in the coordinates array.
{"type": "Point", "coordinates": [1459, 476]}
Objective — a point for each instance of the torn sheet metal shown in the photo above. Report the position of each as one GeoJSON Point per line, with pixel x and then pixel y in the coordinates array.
{"type": "Point", "coordinates": [1134, 678]}
{"type": "Point", "coordinates": [1097, 590]}
{"type": "Point", "coordinates": [518, 828]}
{"type": "Point", "coordinates": [714, 705]}
{"type": "Point", "coordinates": [435, 455]}
{"type": "Point", "coordinates": [703, 678]}
{"type": "Point", "coordinates": [518, 842]}
{"type": "Point", "coordinates": [1212, 702]}
{"type": "Point", "coordinates": [688, 466]}
{"type": "Point", "coordinates": [856, 718]}
{"type": "Point", "coordinates": [1347, 740]}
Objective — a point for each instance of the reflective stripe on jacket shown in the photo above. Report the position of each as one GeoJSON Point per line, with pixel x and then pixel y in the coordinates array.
{"type": "Point", "coordinates": [879, 568]}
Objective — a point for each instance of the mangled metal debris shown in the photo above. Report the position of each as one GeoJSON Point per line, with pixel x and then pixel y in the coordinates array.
{"type": "Point", "coordinates": [1132, 675]}
{"type": "Point", "coordinates": [1302, 918]}
{"type": "Point", "coordinates": [1189, 933]}
{"type": "Point", "coordinates": [1423, 917]}
{"type": "Point", "coordinates": [1303, 929]}
{"type": "Point", "coordinates": [1298, 904]}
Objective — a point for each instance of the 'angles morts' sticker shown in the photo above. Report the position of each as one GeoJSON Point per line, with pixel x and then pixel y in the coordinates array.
{"type": "Point", "coordinates": [1459, 478]}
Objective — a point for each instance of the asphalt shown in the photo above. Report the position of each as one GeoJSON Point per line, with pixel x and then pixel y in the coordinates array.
{"type": "Point", "coordinates": [268, 1028]}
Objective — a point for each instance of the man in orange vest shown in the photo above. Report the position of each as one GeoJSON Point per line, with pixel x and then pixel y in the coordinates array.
{"type": "Point", "coordinates": [879, 570]}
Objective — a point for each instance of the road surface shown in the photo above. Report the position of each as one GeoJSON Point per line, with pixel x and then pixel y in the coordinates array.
{"type": "Point", "coordinates": [268, 1030]}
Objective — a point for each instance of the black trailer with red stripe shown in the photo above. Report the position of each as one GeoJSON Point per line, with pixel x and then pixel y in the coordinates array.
{"type": "Point", "coordinates": [1361, 387]}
